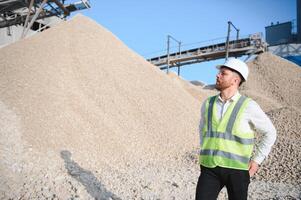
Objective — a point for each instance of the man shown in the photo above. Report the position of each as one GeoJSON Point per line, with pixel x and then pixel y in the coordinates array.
{"type": "Point", "coordinates": [228, 123]}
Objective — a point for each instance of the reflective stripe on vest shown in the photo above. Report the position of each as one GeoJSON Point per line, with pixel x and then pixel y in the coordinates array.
{"type": "Point", "coordinates": [210, 152]}
{"type": "Point", "coordinates": [229, 136]}
{"type": "Point", "coordinates": [226, 135]}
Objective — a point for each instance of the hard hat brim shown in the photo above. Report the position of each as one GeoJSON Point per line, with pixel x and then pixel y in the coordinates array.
{"type": "Point", "coordinates": [219, 66]}
{"type": "Point", "coordinates": [230, 68]}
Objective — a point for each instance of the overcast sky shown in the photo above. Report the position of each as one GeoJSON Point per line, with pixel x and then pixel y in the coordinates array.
{"type": "Point", "coordinates": [144, 25]}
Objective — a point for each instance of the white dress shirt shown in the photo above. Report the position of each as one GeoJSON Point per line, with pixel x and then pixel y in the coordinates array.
{"type": "Point", "coordinates": [254, 119]}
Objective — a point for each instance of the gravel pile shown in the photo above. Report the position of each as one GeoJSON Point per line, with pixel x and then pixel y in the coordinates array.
{"type": "Point", "coordinates": [84, 117]}
{"type": "Point", "coordinates": [278, 80]}
{"type": "Point", "coordinates": [278, 83]}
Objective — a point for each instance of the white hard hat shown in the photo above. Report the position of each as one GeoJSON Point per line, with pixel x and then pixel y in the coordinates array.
{"type": "Point", "coordinates": [237, 65]}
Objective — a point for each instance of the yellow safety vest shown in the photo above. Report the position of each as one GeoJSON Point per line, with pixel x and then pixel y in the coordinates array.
{"type": "Point", "coordinates": [224, 142]}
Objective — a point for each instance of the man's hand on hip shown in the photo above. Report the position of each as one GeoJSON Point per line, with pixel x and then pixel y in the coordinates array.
{"type": "Point", "coordinates": [253, 167]}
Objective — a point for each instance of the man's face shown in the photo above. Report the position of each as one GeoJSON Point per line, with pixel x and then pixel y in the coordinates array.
{"type": "Point", "coordinates": [225, 78]}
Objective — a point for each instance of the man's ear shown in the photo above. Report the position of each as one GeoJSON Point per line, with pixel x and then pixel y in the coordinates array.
{"type": "Point", "coordinates": [237, 79]}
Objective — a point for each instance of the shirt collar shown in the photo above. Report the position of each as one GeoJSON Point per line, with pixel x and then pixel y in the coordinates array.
{"type": "Point", "coordinates": [233, 98]}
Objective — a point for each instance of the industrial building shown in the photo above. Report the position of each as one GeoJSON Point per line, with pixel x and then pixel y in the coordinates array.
{"type": "Point", "coordinates": [284, 39]}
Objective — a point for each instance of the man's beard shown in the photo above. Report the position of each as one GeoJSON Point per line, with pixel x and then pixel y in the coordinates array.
{"type": "Point", "coordinates": [221, 86]}
{"type": "Point", "coordinates": [217, 86]}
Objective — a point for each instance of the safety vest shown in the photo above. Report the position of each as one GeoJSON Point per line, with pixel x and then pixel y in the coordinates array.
{"type": "Point", "coordinates": [224, 142]}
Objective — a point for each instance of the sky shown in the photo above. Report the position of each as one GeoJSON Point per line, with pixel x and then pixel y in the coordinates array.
{"type": "Point", "coordinates": [144, 25]}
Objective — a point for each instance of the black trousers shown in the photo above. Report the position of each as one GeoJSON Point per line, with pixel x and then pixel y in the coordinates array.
{"type": "Point", "coordinates": [212, 180]}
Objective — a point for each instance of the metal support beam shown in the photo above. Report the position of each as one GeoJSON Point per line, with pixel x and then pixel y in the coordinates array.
{"type": "Point", "coordinates": [168, 50]}
{"type": "Point", "coordinates": [227, 41]}
{"type": "Point", "coordinates": [179, 66]}
{"type": "Point", "coordinates": [8, 31]}
{"type": "Point", "coordinates": [228, 37]}
{"type": "Point", "coordinates": [167, 71]}
{"type": "Point", "coordinates": [27, 18]}
{"type": "Point", "coordinates": [35, 17]}
{"type": "Point", "coordinates": [237, 34]}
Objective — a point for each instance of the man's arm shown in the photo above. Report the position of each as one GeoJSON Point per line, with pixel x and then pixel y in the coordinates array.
{"type": "Point", "coordinates": [202, 121]}
{"type": "Point", "coordinates": [263, 125]}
